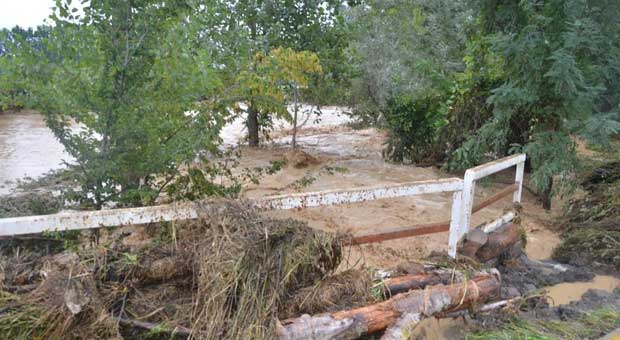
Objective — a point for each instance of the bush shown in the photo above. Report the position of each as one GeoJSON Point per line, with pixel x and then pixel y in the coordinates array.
{"type": "Point", "coordinates": [413, 126]}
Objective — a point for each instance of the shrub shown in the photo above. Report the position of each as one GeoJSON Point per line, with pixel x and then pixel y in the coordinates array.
{"type": "Point", "coordinates": [413, 126]}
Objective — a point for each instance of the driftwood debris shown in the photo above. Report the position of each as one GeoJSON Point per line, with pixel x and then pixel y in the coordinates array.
{"type": "Point", "coordinates": [499, 241]}
{"type": "Point", "coordinates": [473, 241]}
{"type": "Point", "coordinates": [400, 284]}
{"type": "Point", "coordinates": [351, 324]}
{"type": "Point", "coordinates": [486, 246]}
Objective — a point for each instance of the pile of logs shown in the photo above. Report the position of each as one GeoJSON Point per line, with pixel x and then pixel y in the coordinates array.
{"type": "Point", "coordinates": [394, 315]}
{"type": "Point", "coordinates": [416, 297]}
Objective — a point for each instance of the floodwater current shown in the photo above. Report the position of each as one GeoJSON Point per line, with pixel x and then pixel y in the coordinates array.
{"type": "Point", "coordinates": [28, 148]}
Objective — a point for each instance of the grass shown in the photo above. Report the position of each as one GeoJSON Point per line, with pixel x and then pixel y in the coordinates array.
{"type": "Point", "coordinates": [593, 325]}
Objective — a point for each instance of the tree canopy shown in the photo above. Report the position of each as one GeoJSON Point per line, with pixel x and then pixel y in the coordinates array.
{"type": "Point", "coordinates": [138, 91]}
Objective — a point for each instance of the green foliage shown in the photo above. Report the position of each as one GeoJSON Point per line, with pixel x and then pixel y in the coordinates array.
{"type": "Point", "coordinates": [127, 98]}
{"type": "Point", "coordinates": [15, 65]}
{"type": "Point", "coordinates": [234, 32]}
{"type": "Point", "coordinates": [406, 49]}
{"type": "Point", "coordinates": [593, 325]}
{"type": "Point", "coordinates": [590, 245]}
{"type": "Point", "coordinates": [555, 57]}
{"type": "Point", "coordinates": [265, 83]}
{"type": "Point", "coordinates": [413, 125]}
{"type": "Point", "coordinates": [590, 223]}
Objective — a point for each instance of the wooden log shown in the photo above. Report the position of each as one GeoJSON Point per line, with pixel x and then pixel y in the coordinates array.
{"type": "Point", "coordinates": [403, 327]}
{"type": "Point", "coordinates": [472, 242]}
{"type": "Point", "coordinates": [400, 284]}
{"type": "Point", "coordinates": [351, 324]}
{"type": "Point", "coordinates": [499, 241]}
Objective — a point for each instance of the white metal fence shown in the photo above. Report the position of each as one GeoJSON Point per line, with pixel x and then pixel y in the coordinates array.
{"type": "Point", "coordinates": [460, 217]}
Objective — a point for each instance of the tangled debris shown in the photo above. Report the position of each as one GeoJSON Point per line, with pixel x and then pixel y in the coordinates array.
{"type": "Point", "coordinates": [592, 223]}
{"type": "Point", "coordinates": [227, 275]}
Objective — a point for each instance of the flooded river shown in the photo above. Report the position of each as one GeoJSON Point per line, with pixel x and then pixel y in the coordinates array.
{"type": "Point", "coordinates": [27, 148]}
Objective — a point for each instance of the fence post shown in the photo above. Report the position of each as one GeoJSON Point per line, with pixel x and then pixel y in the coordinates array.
{"type": "Point", "coordinates": [455, 217]}
{"type": "Point", "coordinates": [519, 178]}
{"type": "Point", "coordinates": [467, 203]}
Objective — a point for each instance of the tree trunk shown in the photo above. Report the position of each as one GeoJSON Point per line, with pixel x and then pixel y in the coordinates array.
{"type": "Point", "coordinates": [473, 241]}
{"type": "Point", "coordinates": [400, 284]}
{"type": "Point", "coordinates": [296, 107]}
{"type": "Point", "coordinates": [546, 195]}
{"type": "Point", "coordinates": [252, 126]}
{"type": "Point", "coordinates": [498, 242]}
{"type": "Point", "coordinates": [351, 324]}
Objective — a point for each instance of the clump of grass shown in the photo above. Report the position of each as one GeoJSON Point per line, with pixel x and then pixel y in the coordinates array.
{"type": "Point", "coordinates": [591, 245]}
{"type": "Point", "coordinates": [592, 325]}
{"type": "Point", "coordinates": [246, 267]}
{"type": "Point", "coordinates": [592, 223]}
{"type": "Point", "coordinates": [348, 289]}
{"type": "Point", "coordinates": [43, 313]}
{"type": "Point", "coordinates": [227, 275]}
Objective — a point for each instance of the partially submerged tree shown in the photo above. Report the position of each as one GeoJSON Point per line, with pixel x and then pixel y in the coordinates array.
{"type": "Point", "coordinates": [268, 82]}
{"type": "Point", "coordinates": [128, 99]}
{"type": "Point", "coordinates": [239, 31]}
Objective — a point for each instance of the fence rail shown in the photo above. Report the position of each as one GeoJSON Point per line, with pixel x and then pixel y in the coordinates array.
{"type": "Point", "coordinates": [461, 209]}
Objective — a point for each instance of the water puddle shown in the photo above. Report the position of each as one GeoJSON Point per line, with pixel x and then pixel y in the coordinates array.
{"type": "Point", "coordinates": [565, 293]}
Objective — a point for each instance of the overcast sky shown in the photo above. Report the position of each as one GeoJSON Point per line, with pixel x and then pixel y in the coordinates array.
{"type": "Point", "coordinates": [25, 13]}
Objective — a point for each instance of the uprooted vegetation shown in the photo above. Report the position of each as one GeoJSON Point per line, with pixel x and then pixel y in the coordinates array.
{"type": "Point", "coordinates": [235, 274]}
{"type": "Point", "coordinates": [592, 223]}
{"type": "Point", "coordinates": [227, 276]}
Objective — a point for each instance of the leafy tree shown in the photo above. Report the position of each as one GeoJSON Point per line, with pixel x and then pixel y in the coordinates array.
{"type": "Point", "coordinates": [269, 80]}
{"type": "Point", "coordinates": [129, 99]}
{"type": "Point", "coordinates": [560, 65]}
{"type": "Point", "coordinates": [15, 62]}
{"type": "Point", "coordinates": [407, 49]}
{"type": "Point", "coordinates": [237, 31]}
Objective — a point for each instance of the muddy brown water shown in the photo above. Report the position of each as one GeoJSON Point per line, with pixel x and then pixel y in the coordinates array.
{"type": "Point", "coordinates": [28, 148]}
